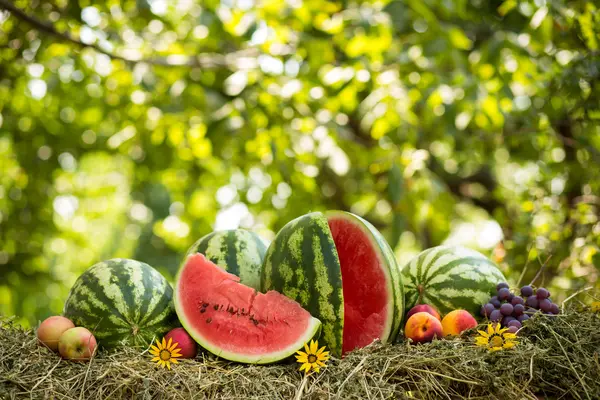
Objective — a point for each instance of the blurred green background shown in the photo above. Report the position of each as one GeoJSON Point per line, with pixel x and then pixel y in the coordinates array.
{"type": "Point", "coordinates": [131, 128]}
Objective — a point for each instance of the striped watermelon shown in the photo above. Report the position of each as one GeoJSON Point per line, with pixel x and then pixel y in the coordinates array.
{"type": "Point", "coordinates": [122, 302]}
{"type": "Point", "coordinates": [310, 258]}
{"type": "Point", "coordinates": [237, 251]}
{"type": "Point", "coordinates": [450, 278]}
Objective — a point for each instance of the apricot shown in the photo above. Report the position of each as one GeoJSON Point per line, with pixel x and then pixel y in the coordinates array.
{"type": "Point", "coordinates": [424, 308]}
{"type": "Point", "coordinates": [457, 321]}
{"type": "Point", "coordinates": [423, 327]}
{"type": "Point", "coordinates": [51, 330]}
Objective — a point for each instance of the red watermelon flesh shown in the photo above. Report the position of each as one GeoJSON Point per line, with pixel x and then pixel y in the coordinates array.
{"type": "Point", "coordinates": [368, 301]}
{"type": "Point", "coordinates": [235, 321]}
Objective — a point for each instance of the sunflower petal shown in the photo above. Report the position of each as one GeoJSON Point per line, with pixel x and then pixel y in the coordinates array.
{"type": "Point", "coordinates": [174, 361]}
{"type": "Point", "coordinates": [168, 365]}
{"type": "Point", "coordinates": [302, 358]}
{"type": "Point", "coordinates": [306, 348]}
{"type": "Point", "coordinates": [313, 346]}
{"type": "Point", "coordinates": [164, 344]}
{"type": "Point", "coordinates": [154, 348]}
{"type": "Point", "coordinates": [155, 359]}
{"type": "Point", "coordinates": [482, 333]}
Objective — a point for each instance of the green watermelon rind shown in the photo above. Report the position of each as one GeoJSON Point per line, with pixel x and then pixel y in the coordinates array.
{"type": "Point", "coordinates": [237, 251]}
{"type": "Point", "coordinates": [392, 271]}
{"type": "Point", "coordinates": [312, 331]}
{"type": "Point", "coordinates": [452, 277]}
{"type": "Point", "coordinates": [123, 303]}
{"type": "Point", "coordinates": [306, 241]}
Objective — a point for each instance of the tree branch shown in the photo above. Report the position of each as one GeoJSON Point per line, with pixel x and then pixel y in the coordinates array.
{"type": "Point", "coordinates": [243, 59]}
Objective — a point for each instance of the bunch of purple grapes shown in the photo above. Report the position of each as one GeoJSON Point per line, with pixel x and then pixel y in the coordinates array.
{"type": "Point", "coordinates": [512, 311]}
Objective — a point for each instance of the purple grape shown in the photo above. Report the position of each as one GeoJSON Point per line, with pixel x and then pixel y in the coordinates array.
{"type": "Point", "coordinates": [502, 285]}
{"type": "Point", "coordinates": [532, 302]}
{"type": "Point", "coordinates": [494, 300]}
{"type": "Point", "coordinates": [545, 305]}
{"type": "Point", "coordinates": [512, 329]}
{"type": "Point", "coordinates": [527, 291]}
{"type": "Point", "coordinates": [496, 316]}
{"type": "Point", "coordinates": [514, 323]}
{"type": "Point", "coordinates": [507, 320]}
{"type": "Point", "coordinates": [542, 293]}
{"type": "Point", "coordinates": [503, 294]}
{"type": "Point", "coordinates": [517, 300]}
{"type": "Point", "coordinates": [522, 318]}
{"type": "Point", "coordinates": [554, 309]}
{"type": "Point", "coordinates": [518, 309]}
{"type": "Point", "coordinates": [510, 297]}
{"type": "Point", "coordinates": [487, 309]}
{"type": "Point", "coordinates": [506, 309]}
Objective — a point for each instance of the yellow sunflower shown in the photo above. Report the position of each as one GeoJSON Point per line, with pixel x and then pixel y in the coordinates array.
{"type": "Point", "coordinates": [312, 359]}
{"type": "Point", "coordinates": [496, 338]}
{"type": "Point", "coordinates": [165, 353]}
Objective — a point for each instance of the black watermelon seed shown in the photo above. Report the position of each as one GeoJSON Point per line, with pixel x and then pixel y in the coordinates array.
{"type": "Point", "coordinates": [202, 310]}
{"type": "Point", "coordinates": [208, 320]}
{"type": "Point", "coordinates": [216, 307]}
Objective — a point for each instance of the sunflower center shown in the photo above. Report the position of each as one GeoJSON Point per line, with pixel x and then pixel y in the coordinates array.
{"type": "Point", "coordinates": [496, 341]}
{"type": "Point", "coordinates": [165, 355]}
{"type": "Point", "coordinates": [312, 358]}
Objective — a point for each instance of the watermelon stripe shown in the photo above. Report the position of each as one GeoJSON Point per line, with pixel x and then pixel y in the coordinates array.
{"type": "Point", "coordinates": [231, 239]}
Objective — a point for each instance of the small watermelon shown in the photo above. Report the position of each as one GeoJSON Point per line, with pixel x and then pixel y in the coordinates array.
{"type": "Point", "coordinates": [236, 322]}
{"type": "Point", "coordinates": [122, 302]}
{"type": "Point", "coordinates": [238, 251]}
{"type": "Point", "coordinates": [450, 278]}
{"type": "Point", "coordinates": [341, 269]}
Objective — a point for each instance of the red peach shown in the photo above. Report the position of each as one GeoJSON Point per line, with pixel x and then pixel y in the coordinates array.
{"type": "Point", "coordinates": [423, 327]}
{"type": "Point", "coordinates": [424, 308]}
{"type": "Point", "coordinates": [77, 344]}
{"type": "Point", "coordinates": [189, 348]}
{"type": "Point", "coordinates": [51, 329]}
{"type": "Point", "coordinates": [457, 321]}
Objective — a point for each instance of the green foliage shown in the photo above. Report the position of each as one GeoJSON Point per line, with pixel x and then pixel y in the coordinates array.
{"type": "Point", "coordinates": [457, 122]}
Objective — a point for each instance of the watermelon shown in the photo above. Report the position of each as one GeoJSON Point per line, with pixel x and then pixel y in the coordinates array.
{"type": "Point", "coordinates": [450, 278]}
{"type": "Point", "coordinates": [236, 322]}
{"type": "Point", "coordinates": [341, 269]}
{"type": "Point", "coordinates": [238, 251]}
{"type": "Point", "coordinates": [123, 303]}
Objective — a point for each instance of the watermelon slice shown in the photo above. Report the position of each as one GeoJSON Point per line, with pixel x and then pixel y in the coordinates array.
{"type": "Point", "coordinates": [236, 322]}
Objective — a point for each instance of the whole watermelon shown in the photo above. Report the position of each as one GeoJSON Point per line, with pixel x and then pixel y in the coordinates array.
{"type": "Point", "coordinates": [123, 303]}
{"type": "Point", "coordinates": [237, 251]}
{"type": "Point", "coordinates": [450, 278]}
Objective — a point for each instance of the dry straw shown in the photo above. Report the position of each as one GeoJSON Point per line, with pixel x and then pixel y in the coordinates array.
{"type": "Point", "coordinates": [558, 357]}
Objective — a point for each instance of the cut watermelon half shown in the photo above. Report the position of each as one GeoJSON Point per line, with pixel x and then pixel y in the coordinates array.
{"type": "Point", "coordinates": [373, 298]}
{"type": "Point", "coordinates": [341, 269]}
{"type": "Point", "coordinates": [236, 322]}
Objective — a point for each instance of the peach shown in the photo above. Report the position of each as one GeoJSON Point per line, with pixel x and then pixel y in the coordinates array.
{"type": "Point", "coordinates": [424, 308]}
{"type": "Point", "coordinates": [51, 329]}
{"type": "Point", "coordinates": [423, 327]}
{"type": "Point", "coordinates": [189, 348]}
{"type": "Point", "coordinates": [77, 344]}
{"type": "Point", "coordinates": [457, 321]}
